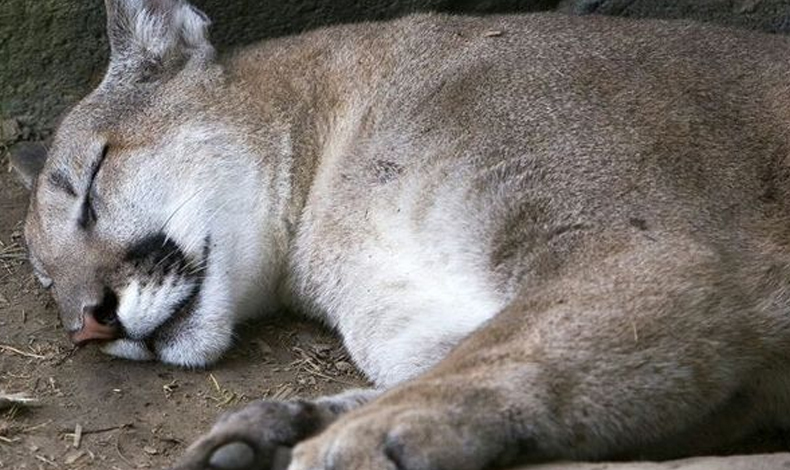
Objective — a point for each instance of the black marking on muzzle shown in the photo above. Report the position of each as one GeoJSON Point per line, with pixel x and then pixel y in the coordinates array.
{"type": "Point", "coordinates": [156, 254]}
{"type": "Point", "coordinates": [184, 308]}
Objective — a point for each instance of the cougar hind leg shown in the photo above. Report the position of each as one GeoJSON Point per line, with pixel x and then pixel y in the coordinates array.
{"type": "Point", "coordinates": [619, 356]}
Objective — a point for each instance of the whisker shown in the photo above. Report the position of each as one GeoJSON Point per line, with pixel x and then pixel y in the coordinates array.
{"type": "Point", "coordinates": [197, 269]}
{"type": "Point", "coordinates": [166, 257]}
{"type": "Point", "coordinates": [178, 209]}
{"type": "Point", "coordinates": [211, 217]}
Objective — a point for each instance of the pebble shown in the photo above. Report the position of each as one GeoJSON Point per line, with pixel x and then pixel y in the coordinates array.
{"type": "Point", "coordinates": [9, 130]}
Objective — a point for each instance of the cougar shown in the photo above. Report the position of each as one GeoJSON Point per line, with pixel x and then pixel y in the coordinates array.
{"type": "Point", "coordinates": [540, 237]}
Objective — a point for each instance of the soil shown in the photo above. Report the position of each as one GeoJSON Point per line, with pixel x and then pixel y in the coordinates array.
{"type": "Point", "coordinates": [94, 411]}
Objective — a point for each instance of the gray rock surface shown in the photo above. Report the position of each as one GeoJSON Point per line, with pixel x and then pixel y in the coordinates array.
{"type": "Point", "coordinates": [53, 51]}
{"type": "Point", "coordinates": [766, 15]}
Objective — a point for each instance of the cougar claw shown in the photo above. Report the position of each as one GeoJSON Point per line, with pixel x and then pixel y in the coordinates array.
{"type": "Point", "coordinates": [232, 456]}
{"type": "Point", "coordinates": [256, 437]}
{"type": "Point", "coordinates": [242, 456]}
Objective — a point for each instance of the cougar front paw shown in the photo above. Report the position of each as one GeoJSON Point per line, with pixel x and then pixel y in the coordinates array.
{"type": "Point", "coordinates": [395, 438]}
{"type": "Point", "coordinates": [257, 437]}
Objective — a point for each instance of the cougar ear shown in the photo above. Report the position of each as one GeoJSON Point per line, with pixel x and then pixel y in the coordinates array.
{"type": "Point", "coordinates": [27, 160]}
{"type": "Point", "coordinates": [155, 33]}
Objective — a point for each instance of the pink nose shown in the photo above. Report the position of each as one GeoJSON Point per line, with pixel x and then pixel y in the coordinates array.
{"type": "Point", "coordinates": [92, 330]}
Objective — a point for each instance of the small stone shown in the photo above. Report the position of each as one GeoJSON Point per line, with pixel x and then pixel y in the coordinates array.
{"type": "Point", "coordinates": [74, 456]}
{"type": "Point", "coordinates": [150, 450]}
{"type": "Point", "coordinates": [9, 130]}
{"type": "Point", "coordinates": [322, 348]}
{"type": "Point", "coordinates": [343, 366]}
{"type": "Point", "coordinates": [233, 456]}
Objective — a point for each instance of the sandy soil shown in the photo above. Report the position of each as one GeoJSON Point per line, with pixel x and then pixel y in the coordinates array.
{"type": "Point", "coordinates": [96, 412]}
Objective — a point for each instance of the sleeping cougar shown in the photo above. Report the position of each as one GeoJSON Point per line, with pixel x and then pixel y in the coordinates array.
{"type": "Point", "coordinates": [540, 236]}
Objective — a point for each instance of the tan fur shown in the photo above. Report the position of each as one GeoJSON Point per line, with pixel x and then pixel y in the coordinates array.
{"type": "Point", "coordinates": [547, 237]}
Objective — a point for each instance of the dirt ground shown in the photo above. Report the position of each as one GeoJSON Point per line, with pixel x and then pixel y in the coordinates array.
{"type": "Point", "coordinates": [96, 412]}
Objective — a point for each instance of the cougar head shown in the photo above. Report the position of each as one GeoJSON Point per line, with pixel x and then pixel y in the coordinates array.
{"type": "Point", "coordinates": [139, 220]}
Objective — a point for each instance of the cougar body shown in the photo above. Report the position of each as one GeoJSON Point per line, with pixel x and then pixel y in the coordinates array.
{"type": "Point", "coordinates": [539, 236]}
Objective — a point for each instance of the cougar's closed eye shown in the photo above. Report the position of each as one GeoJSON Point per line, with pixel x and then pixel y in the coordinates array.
{"type": "Point", "coordinates": [88, 214]}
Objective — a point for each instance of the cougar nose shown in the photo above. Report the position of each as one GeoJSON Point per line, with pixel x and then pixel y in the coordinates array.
{"type": "Point", "coordinates": [99, 322]}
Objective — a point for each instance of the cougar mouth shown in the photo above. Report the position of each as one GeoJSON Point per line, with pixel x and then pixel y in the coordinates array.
{"type": "Point", "coordinates": [174, 326]}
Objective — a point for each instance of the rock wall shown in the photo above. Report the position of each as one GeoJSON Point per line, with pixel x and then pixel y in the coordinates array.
{"type": "Point", "coordinates": [767, 15]}
{"type": "Point", "coordinates": [53, 51]}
